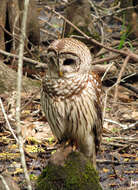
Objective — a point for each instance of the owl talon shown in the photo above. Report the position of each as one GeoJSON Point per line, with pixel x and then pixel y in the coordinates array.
{"type": "Point", "coordinates": [67, 143]}
{"type": "Point", "coordinates": [74, 148]}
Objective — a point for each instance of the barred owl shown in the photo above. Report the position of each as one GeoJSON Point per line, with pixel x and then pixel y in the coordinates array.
{"type": "Point", "coordinates": [71, 96]}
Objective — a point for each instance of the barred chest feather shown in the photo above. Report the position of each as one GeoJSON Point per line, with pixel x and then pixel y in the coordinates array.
{"type": "Point", "coordinates": [61, 88]}
{"type": "Point", "coordinates": [71, 107]}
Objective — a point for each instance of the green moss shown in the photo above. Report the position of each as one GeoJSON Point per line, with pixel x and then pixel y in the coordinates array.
{"type": "Point", "coordinates": [51, 178]}
{"type": "Point", "coordinates": [76, 174]}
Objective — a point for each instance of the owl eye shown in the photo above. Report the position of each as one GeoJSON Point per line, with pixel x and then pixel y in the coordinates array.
{"type": "Point", "coordinates": [69, 62]}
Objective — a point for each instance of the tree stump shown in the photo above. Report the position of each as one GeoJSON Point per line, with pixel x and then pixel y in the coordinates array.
{"type": "Point", "coordinates": [68, 170]}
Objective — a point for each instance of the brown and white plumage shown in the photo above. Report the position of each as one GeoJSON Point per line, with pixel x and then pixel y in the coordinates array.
{"type": "Point", "coordinates": [71, 96]}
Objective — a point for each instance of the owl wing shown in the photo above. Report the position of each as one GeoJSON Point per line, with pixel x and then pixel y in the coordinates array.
{"type": "Point", "coordinates": [98, 127]}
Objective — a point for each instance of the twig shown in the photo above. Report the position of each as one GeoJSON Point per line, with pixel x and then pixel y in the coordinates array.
{"type": "Point", "coordinates": [113, 144]}
{"type": "Point", "coordinates": [119, 77]}
{"type": "Point", "coordinates": [98, 17]}
{"type": "Point", "coordinates": [108, 68]}
{"type": "Point", "coordinates": [124, 9]}
{"type": "Point", "coordinates": [24, 58]}
{"type": "Point", "coordinates": [125, 138]}
{"type": "Point", "coordinates": [14, 37]}
{"type": "Point", "coordinates": [51, 34]}
{"type": "Point", "coordinates": [127, 103]}
{"type": "Point", "coordinates": [4, 183]}
{"type": "Point", "coordinates": [130, 126]}
{"type": "Point", "coordinates": [114, 162]}
{"type": "Point", "coordinates": [19, 84]}
{"type": "Point", "coordinates": [49, 24]}
{"type": "Point", "coordinates": [109, 11]}
{"type": "Point", "coordinates": [116, 173]}
{"type": "Point", "coordinates": [7, 121]}
{"type": "Point", "coordinates": [101, 69]}
{"type": "Point", "coordinates": [30, 99]}
{"type": "Point", "coordinates": [128, 76]}
{"type": "Point", "coordinates": [109, 8]}
{"type": "Point", "coordinates": [130, 87]}
{"type": "Point", "coordinates": [115, 122]}
{"type": "Point", "coordinates": [9, 33]}
{"type": "Point", "coordinates": [105, 99]}
{"type": "Point", "coordinates": [125, 127]}
{"type": "Point", "coordinates": [105, 59]}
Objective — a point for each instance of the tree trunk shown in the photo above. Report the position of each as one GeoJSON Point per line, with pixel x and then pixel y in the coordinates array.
{"type": "Point", "coordinates": [10, 24]}
{"type": "Point", "coordinates": [2, 24]}
{"type": "Point", "coordinates": [68, 170]}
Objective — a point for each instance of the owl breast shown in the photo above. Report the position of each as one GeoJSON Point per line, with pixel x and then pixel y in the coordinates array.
{"type": "Point", "coordinates": [62, 88]}
{"type": "Point", "coordinates": [71, 110]}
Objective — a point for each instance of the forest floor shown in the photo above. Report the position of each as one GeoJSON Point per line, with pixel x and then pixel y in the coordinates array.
{"type": "Point", "coordinates": [117, 161]}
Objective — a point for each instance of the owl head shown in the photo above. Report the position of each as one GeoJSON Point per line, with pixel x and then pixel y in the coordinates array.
{"type": "Point", "coordinates": [67, 58]}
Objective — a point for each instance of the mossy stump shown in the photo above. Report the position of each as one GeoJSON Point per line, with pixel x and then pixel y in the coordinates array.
{"type": "Point", "coordinates": [77, 173]}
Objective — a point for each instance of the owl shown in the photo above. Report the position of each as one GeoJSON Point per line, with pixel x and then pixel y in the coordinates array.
{"type": "Point", "coordinates": [71, 96]}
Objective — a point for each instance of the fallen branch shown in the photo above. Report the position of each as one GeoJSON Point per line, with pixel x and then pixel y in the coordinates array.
{"type": "Point", "coordinates": [104, 69]}
{"type": "Point", "coordinates": [125, 127]}
{"type": "Point", "coordinates": [7, 121]}
{"type": "Point", "coordinates": [130, 126]}
{"type": "Point", "coordinates": [114, 162]}
{"type": "Point", "coordinates": [48, 33]}
{"type": "Point", "coordinates": [115, 122]}
{"type": "Point", "coordinates": [125, 138]}
{"type": "Point", "coordinates": [128, 86]}
{"type": "Point", "coordinates": [39, 64]}
{"type": "Point", "coordinates": [105, 59]}
{"type": "Point", "coordinates": [113, 143]}
{"type": "Point", "coordinates": [109, 66]}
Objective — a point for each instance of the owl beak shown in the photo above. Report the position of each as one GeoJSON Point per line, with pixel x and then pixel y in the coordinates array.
{"type": "Point", "coordinates": [60, 68]}
{"type": "Point", "coordinates": [60, 73]}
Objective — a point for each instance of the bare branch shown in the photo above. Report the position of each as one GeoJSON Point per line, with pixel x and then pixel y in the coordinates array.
{"type": "Point", "coordinates": [39, 64]}
{"type": "Point", "coordinates": [7, 121]}
{"type": "Point", "coordinates": [19, 85]}
{"type": "Point", "coordinates": [4, 182]}
{"type": "Point", "coordinates": [119, 76]}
